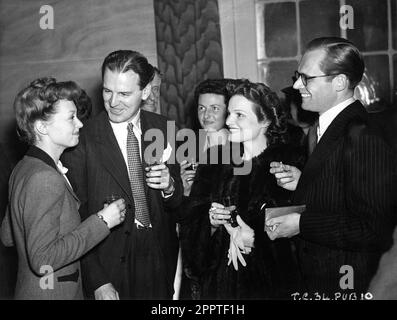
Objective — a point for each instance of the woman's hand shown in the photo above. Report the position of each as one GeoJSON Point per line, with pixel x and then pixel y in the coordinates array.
{"type": "Point", "coordinates": [219, 214]}
{"type": "Point", "coordinates": [114, 213]}
{"type": "Point", "coordinates": [242, 235]}
{"type": "Point", "coordinates": [234, 255]}
{"type": "Point", "coordinates": [187, 177]}
{"type": "Point", "coordinates": [241, 241]}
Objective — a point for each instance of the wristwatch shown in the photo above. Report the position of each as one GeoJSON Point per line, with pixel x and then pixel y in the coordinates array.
{"type": "Point", "coordinates": [101, 217]}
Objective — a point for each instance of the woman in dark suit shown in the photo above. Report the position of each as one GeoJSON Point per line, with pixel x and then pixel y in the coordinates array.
{"type": "Point", "coordinates": [257, 121]}
{"type": "Point", "coordinates": [43, 220]}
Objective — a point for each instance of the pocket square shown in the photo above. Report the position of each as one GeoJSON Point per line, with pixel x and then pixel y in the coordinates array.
{"type": "Point", "coordinates": [166, 154]}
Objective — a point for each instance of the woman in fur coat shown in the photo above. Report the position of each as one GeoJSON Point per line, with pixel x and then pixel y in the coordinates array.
{"type": "Point", "coordinates": [257, 122]}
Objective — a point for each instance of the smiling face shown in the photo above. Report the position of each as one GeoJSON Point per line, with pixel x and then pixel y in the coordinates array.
{"type": "Point", "coordinates": [63, 127]}
{"type": "Point", "coordinates": [211, 111]}
{"type": "Point", "coordinates": [122, 95]}
{"type": "Point", "coordinates": [243, 122]}
{"type": "Point", "coordinates": [319, 94]}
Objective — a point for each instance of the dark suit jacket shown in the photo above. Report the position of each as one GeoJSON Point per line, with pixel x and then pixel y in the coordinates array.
{"type": "Point", "coordinates": [96, 170]}
{"type": "Point", "coordinates": [349, 188]}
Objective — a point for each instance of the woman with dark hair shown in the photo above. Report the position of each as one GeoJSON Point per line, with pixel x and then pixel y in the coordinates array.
{"type": "Point", "coordinates": [257, 121]}
{"type": "Point", "coordinates": [211, 98]}
{"type": "Point", "coordinates": [43, 220]}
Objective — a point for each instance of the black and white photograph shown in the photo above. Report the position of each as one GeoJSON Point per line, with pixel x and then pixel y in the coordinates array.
{"type": "Point", "coordinates": [198, 157]}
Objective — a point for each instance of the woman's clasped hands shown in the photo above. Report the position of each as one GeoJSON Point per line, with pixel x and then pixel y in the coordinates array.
{"type": "Point", "coordinates": [241, 237]}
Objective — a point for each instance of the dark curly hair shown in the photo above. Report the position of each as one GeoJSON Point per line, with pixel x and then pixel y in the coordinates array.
{"type": "Point", "coordinates": [38, 101]}
{"type": "Point", "coordinates": [267, 105]}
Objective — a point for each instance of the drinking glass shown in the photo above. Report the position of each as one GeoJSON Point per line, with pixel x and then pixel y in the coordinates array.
{"type": "Point", "coordinates": [231, 201]}
{"type": "Point", "coordinates": [111, 198]}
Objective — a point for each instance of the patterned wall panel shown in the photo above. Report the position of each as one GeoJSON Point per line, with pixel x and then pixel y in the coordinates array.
{"type": "Point", "coordinates": [189, 50]}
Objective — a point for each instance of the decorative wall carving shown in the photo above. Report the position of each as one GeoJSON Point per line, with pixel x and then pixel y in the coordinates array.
{"type": "Point", "coordinates": [189, 50]}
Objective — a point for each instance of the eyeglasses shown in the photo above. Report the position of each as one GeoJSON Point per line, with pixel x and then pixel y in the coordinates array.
{"type": "Point", "coordinates": [305, 77]}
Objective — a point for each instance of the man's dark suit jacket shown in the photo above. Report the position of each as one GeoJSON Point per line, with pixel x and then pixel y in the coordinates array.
{"type": "Point", "coordinates": [96, 170]}
{"type": "Point", "coordinates": [349, 188]}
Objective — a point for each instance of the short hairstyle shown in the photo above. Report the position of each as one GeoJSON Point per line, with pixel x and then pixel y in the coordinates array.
{"type": "Point", "coordinates": [214, 86]}
{"type": "Point", "coordinates": [266, 105]}
{"type": "Point", "coordinates": [341, 57]}
{"type": "Point", "coordinates": [125, 60]}
{"type": "Point", "coordinates": [38, 101]}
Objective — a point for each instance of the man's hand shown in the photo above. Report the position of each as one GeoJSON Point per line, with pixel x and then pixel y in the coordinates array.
{"type": "Point", "coordinates": [159, 177]}
{"type": "Point", "coordinates": [283, 227]}
{"type": "Point", "coordinates": [187, 177]}
{"type": "Point", "coordinates": [106, 292]}
{"type": "Point", "coordinates": [287, 176]}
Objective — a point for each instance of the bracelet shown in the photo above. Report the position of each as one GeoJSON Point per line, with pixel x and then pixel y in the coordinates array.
{"type": "Point", "coordinates": [101, 217]}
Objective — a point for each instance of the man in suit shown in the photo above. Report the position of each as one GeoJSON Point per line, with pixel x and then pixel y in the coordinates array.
{"type": "Point", "coordinates": [349, 182]}
{"type": "Point", "coordinates": [138, 259]}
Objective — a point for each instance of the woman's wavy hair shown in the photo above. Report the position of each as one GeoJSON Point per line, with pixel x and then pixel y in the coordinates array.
{"type": "Point", "coordinates": [267, 105]}
{"type": "Point", "coordinates": [38, 101]}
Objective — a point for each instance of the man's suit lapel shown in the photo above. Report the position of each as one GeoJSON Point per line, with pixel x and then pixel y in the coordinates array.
{"type": "Point", "coordinates": [145, 125]}
{"type": "Point", "coordinates": [155, 198]}
{"type": "Point", "coordinates": [110, 154]}
{"type": "Point", "coordinates": [153, 195]}
{"type": "Point", "coordinates": [329, 141]}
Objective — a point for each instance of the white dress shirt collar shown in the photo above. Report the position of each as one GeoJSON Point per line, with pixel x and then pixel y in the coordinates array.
{"type": "Point", "coordinates": [63, 170]}
{"type": "Point", "coordinates": [328, 116]}
{"type": "Point", "coordinates": [120, 132]}
{"type": "Point", "coordinates": [122, 126]}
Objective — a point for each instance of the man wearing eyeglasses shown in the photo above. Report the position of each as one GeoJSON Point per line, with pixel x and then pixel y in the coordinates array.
{"type": "Point", "coordinates": [348, 184]}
